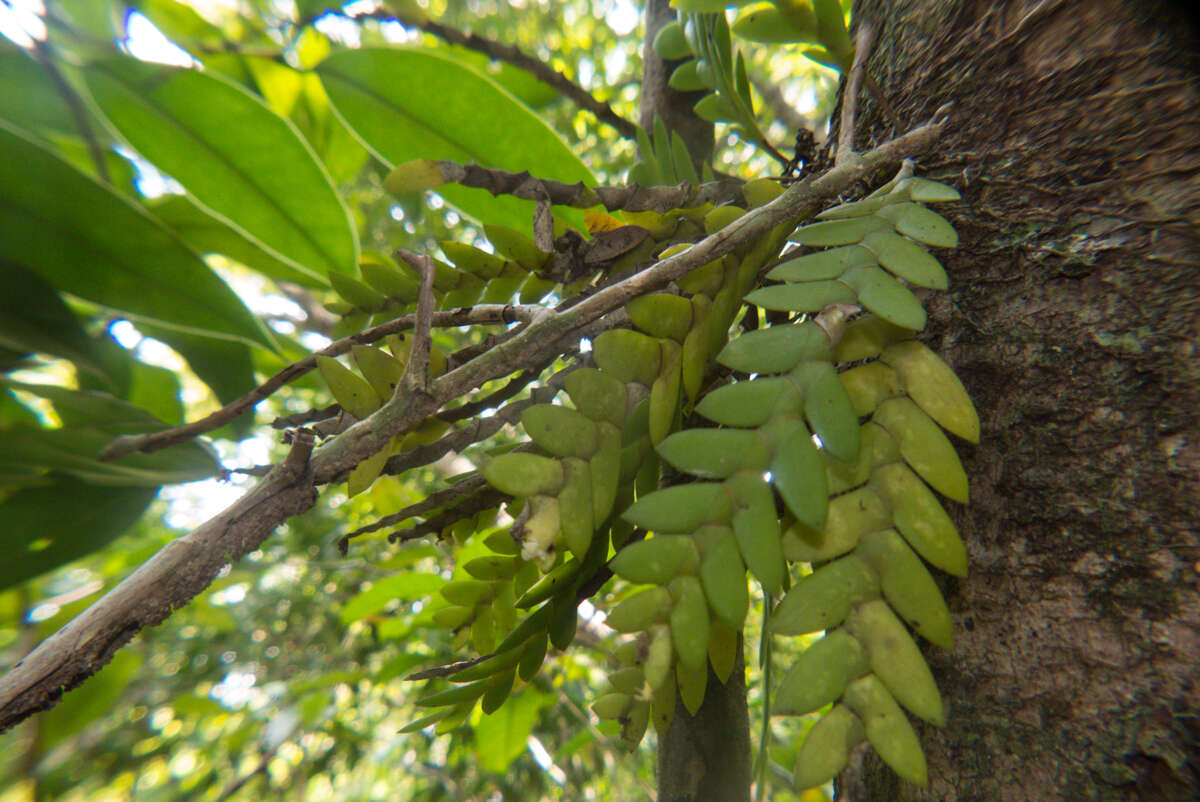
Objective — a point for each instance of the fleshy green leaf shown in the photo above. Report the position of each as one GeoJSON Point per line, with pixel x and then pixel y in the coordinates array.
{"type": "Point", "coordinates": [807, 296]}
{"type": "Point", "coordinates": [775, 350]}
{"type": "Point", "coordinates": [887, 297]}
{"type": "Point", "coordinates": [715, 453]}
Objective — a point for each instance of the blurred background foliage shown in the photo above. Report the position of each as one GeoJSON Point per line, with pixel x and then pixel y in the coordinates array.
{"type": "Point", "coordinates": [285, 679]}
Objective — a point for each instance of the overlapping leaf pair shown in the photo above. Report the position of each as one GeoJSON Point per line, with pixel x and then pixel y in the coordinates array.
{"type": "Point", "coordinates": [475, 277]}
{"type": "Point", "coordinates": [362, 395]}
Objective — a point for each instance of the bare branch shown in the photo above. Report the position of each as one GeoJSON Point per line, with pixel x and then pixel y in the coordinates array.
{"type": "Point", "coordinates": [44, 54]}
{"type": "Point", "coordinates": [482, 314]}
{"type": "Point", "coordinates": [416, 372]}
{"type": "Point", "coordinates": [435, 501]}
{"type": "Point", "coordinates": [187, 565]}
{"type": "Point", "coordinates": [484, 499]}
{"type": "Point", "coordinates": [632, 198]}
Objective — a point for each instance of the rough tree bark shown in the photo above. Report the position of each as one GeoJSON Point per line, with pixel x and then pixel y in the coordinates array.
{"type": "Point", "coordinates": [1072, 318]}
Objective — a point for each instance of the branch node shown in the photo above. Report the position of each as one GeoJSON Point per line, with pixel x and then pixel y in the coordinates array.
{"type": "Point", "coordinates": [416, 373]}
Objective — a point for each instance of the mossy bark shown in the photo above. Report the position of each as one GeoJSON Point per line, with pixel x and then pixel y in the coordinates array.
{"type": "Point", "coordinates": [1073, 319]}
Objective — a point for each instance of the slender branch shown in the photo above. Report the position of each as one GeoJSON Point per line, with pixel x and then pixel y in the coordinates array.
{"type": "Point", "coordinates": [434, 501]}
{"type": "Point", "coordinates": [862, 51]}
{"type": "Point", "coordinates": [539, 69]}
{"type": "Point", "coordinates": [472, 505]}
{"type": "Point", "coordinates": [45, 56]}
{"type": "Point", "coordinates": [457, 441]}
{"type": "Point", "coordinates": [430, 174]}
{"type": "Point", "coordinates": [416, 372]}
{"type": "Point", "coordinates": [188, 565]}
{"type": "Point", "coordinates": [484, 313]}
{"type": "Point", "coordinates": [491, 400]}
{"type": "Point", "coordinates": [308, 416]}
{"type": "Point", "coordinates": [480, 429]}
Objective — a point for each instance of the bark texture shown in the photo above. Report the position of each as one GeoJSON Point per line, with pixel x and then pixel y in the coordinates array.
{"type": "Point", "coordinates": [658, 98]}
{"type": "Point", "coordinates": [706, 757]}
{"type": "Point", "coordinates": [1073, 320]}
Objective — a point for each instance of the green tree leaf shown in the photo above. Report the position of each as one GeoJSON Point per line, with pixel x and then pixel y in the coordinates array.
{"type": "Point", "coordinates": [33, 318]}
{"type": "Point", "coordinates": [93, 243]}
{"type": "Point", "coordinates": [205, 234]}
{"type": "Point", "coordinates": [502, 736]}
{"type": "Point", "coordinates": [239, 159]}
{"type": "Point", "coordinates": [406, 586]}
{"type": "Point", "coordinates": [410, 104]}
{"type": "Point", "coordinates": [29, 99]}
{"type": "Point", "coordinates": [48, 526]}
{"type": "Point", "coordinates": [72, 451]}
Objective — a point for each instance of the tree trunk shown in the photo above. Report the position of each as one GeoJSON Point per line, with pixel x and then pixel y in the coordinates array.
{"type": "Point", "coordinates": [706, 757]}
{"type": "Point", "coordinates": [1072, 319]}
{"type": "Point", "coordinates": [659, 99]}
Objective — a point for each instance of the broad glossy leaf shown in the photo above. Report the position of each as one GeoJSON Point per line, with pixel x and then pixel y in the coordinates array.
{"type": "Point", "coordinates": [72, 451]}
{"type": "Point", "coordinates": [406, 586]}
{"type": "Point", "coordinates": [95, 244]}
{"type": "Point", "coordinates": [96, 410]}
{"type": "Point", "coordinates": [224, 365]}
{"type": "Point", "coordinates": [29, 99]}
{"type": "Point", "coordinates": [34, 319]}
{"type": "Point", "coordinates": [46, 527]}
{"type": "Point", "coordinates": [234, 155]}
{"type": "Point", "coordinates": [205, 234]}
{"type": "Point", "coordinates": [411, 104]}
